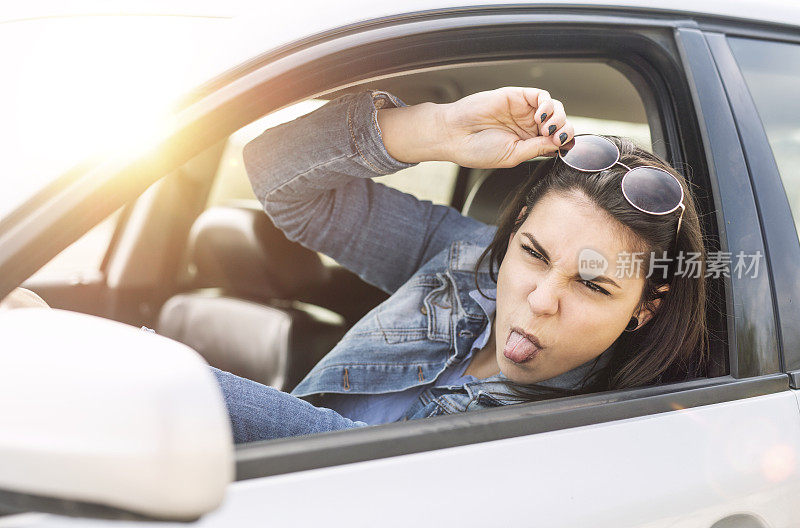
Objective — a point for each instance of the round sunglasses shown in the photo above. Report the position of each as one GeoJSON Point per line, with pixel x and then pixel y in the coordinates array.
{"type": "Point", "coordinates": [649, 189]}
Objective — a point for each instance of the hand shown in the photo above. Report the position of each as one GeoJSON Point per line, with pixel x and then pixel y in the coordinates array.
{"type": "Point", "coordinates": [496, 128]}
{"type": "Point", "coordinates": [503, 127]}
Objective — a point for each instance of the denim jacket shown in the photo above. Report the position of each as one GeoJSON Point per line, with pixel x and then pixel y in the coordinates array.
{"type": "Point", "coordinates": [312, 176]}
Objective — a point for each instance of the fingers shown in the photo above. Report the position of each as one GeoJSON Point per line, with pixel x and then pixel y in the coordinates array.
{"type": "Point", "coordinates": [528, 149]}
{"type": "Point", "coordinates": [535, 97]}
{"type": "Point", "coordinates": [532, 125]}
{"type": "Point", "coordinates": [555, 130]}
{"type": "Point", "coordinates": [552, 119]}
{"type": "Point", "coordinates": [543, 105]}
{"type": "Point", "coordinates": [544, 113]}
{"type": "Point", "coordinates": [548, 113]}
{"type": "Point", "coordinates": [563, 135]}
{"type": "Point", "coordinates": [556, 127]}
{"type": "Point", "coordinates": [556, 120]}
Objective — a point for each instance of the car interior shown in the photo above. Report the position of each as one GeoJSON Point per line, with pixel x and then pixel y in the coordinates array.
{"type": "Point", "coordinates": [196, 258]}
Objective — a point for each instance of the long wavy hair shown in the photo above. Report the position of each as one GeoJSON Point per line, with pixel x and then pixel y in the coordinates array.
{"type": "Point", "coordinates": [673, 345]}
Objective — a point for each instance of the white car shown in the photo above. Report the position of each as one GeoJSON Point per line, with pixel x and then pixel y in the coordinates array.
{"type": "Point", "coordinates": [100, 419]}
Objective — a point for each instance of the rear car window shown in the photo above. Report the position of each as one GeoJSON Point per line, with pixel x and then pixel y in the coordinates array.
{"type": "Point", "coordinates": [772, 73]}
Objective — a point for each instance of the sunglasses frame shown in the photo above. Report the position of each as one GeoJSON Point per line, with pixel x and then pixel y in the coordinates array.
{"type": "Point", "coordinates": [622, 183]}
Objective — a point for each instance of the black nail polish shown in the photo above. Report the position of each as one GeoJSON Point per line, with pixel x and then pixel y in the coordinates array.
{"type": "Point", "coordinates": [544, 116]}
{"type": "Point", "coordinates": [562, 137]}
{"type": "Point", "coordinates": [551, 129]}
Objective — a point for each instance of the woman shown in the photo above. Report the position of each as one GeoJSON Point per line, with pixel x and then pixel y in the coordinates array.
{"type": "Point", "coordinates": [478, 316]}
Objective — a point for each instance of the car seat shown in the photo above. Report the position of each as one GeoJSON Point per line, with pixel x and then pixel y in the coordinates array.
{"type": "Point", "coordinates": [241, 311]}
{"type": "Point", "coordinates": [488, 195]}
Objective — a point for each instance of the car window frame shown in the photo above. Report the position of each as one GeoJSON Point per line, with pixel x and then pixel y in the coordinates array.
{"type": "Point", "coordinates": [777, 221]}
{"type": "Point", "coordinates": [752, 324]}
{"type": "Point", "coordinates": [298, 453]}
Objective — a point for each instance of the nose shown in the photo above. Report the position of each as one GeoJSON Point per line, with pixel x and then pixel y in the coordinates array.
{"type": "Point", "coordinates": [543, 299]}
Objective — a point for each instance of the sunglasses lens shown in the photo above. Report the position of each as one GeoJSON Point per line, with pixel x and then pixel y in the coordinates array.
{"type": "Point", "coordinates": [652, 190]}
{"type": "Point", "coordinates": [590, 153]}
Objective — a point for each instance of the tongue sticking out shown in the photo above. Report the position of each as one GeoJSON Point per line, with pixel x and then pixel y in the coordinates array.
{"type": "Point", "coordinates": [518, 348]}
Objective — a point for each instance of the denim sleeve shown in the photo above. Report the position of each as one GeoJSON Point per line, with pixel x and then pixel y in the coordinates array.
{"type": "Point", "coordinates": [312, 175]}
{"type": "Point", "coordinates": [258, 412]}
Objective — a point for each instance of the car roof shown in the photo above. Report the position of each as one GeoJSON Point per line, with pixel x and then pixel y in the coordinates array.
{"type": "Point", "coordinates": [243, 29]}
{"type": "Point", "coordinates": [338, 13]}
{"type": "Point", "coordinates": [193, 42]}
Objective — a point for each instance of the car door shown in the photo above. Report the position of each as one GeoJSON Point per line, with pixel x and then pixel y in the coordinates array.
{"type": "Point", "coordinates": [720, 451]}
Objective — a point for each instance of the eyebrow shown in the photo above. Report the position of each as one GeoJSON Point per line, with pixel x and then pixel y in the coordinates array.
{"type": "Point", "coordinates": [600, 278]}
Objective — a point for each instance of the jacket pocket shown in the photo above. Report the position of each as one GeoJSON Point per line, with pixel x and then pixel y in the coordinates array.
{"type": "Point", "coordinates": [419, 310]}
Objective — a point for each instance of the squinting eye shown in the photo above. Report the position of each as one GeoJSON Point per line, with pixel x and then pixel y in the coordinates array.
{"type": "Point", "coordinates": [594, 287]}
{"type": "Point", "coordinates": [535, 254]}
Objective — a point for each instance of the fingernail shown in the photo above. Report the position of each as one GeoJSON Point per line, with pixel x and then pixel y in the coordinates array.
{"type": "Point", "coordinates": [552, 129]}
{"type": "Point", "coordinates": [544, 116]}
{"type": "Point", "coordinates": [562, 137]}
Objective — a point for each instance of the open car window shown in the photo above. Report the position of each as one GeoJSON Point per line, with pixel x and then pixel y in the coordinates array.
{"type": "Point", "coordinates": [616, 109]}
{"type": "Point", "coordinates": [433, 180]}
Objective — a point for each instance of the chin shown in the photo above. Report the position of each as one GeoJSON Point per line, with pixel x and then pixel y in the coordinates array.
{"type": "Point", "coordinates": [522, 373]}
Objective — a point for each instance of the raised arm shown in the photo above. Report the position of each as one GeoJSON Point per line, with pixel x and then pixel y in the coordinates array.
{"type": "Point", "coordinates": [312, 175]}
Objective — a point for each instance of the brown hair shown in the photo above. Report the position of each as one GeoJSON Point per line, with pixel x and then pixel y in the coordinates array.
{"type": "Point", "coordinates": [673, 345]}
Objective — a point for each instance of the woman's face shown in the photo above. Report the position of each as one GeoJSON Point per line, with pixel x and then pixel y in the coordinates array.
{"type": "Point", "coordinates": [542, 295]}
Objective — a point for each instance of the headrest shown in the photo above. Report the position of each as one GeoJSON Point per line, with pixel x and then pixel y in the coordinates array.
{"type": "Point", "coordinates": [241, 251]}
{"type": "Point", "coordinates": [489, 194]}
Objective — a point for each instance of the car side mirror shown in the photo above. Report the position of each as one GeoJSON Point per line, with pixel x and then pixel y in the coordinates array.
{"type": "Point", "coordinates": [102, 419]}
